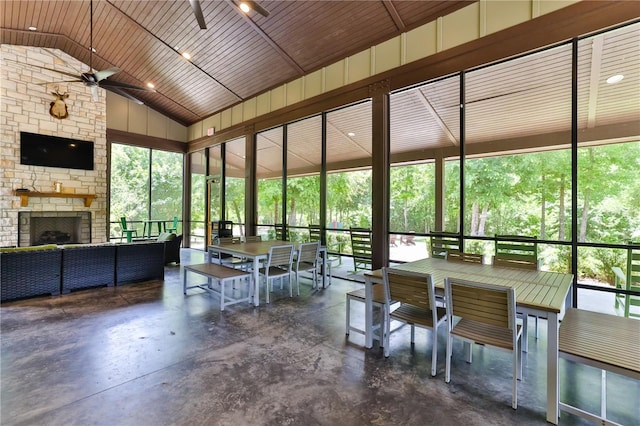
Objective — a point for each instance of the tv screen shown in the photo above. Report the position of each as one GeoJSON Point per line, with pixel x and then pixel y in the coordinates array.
{"type": "Point", "coordinates": [52, 151]}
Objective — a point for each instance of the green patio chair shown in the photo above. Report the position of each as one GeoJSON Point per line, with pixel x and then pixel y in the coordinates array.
{"type": "Point", "coordinates": [127, 231]}
{"type": "Point", "coordinates": [630, 282]}
{"type": "Point", "coordinates": [173, 228]}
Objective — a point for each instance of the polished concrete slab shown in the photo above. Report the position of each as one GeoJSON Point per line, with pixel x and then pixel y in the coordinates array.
{"type": "Point", "coordinates": [145, 354]}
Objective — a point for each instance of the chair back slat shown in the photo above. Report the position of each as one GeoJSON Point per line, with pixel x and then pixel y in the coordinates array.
{"type": "Point", "coordinates": [308, 252]}
{"type": "Point", "coordinates": [281, 256]}
{"type": "Point", "coordinates": [412, 289]}
{"type": "Point", "coordinates": [457, 256]}
{"type": "Point", "coordinates": [481, 302]}
{"type": "Point", "coordinates": [444, 242]}
{"type": "Point", "coordinates": [506, 261]}
{"type": "Point", "coordinates": [253, 239]}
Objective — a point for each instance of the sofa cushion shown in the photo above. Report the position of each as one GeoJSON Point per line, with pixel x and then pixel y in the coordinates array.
{"type": "Point", "coordinates": [166, 236]}
{"type": "Point", "coordinates": [28, 248]}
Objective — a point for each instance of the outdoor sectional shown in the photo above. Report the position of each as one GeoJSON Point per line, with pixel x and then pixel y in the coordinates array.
{"type": "Point", "coordinates": [51, 270]}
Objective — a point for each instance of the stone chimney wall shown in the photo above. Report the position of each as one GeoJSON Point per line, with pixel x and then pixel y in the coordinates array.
{"type": "Point", "coordinates": [24, 106]}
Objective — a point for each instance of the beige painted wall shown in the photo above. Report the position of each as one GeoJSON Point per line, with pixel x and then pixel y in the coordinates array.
{"type": "Point", "coordinates": [467, 24]}
{"type": "Point", "coordinates": [128, 116]}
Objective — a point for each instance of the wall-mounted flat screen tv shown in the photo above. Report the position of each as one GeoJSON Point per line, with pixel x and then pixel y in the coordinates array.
{"type": "Point", "coordinates": [52, 151]}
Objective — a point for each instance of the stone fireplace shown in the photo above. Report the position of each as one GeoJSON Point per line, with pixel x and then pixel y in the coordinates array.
{"type": "Point", "coordinates": [37, 228]}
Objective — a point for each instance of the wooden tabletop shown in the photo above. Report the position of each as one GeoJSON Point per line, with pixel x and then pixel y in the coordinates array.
{"type": "Point", "coordinates": [540, 290]}
{"type": "Point", "coordinates": [251, 249]}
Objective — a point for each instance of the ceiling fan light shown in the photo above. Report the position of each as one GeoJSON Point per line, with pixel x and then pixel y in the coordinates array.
{"type": "Point", "coordinates": [615, 79]}
{"type": "Point", "coordinates": [244, 7]}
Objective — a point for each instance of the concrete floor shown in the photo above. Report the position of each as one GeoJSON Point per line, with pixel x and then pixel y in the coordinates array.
{"type": "Point", "coordinates": [145, 354]}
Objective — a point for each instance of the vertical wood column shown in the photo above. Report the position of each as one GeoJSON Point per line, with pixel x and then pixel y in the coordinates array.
{"type": "Point", "coordinates": [186, 200]}
{"type": "Point", "coordinates": [250, 182]}
{"type": "Point", "coordinates": [440, 192]}
{"type": "Point", "coordinates": [379, 93]}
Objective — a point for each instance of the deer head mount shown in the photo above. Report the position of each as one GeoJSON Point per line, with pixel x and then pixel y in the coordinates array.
{"type": "Point", "coordinates": [58, 108]}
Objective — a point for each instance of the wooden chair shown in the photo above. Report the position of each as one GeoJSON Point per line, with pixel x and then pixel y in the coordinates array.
{"type": "Point", "coordinates": [629, 282]}
{"type": "Point", "coordinates": [315, 235]}
{"type": "Point", "coordinates": [278, 267]}
{"type": "Point", "coordinates": [414, 296]}
{"type": "Point", "coordinates": [522, 254]}
{"type": "Point", "coordinates": [253, 239]}
{"type": "Point", "coordinates": [361, 248]}
{"type": "Point", "coordinates": [442, 243]}
{"type": "Point", "coordinates": [126, 230]}
{"type": "Point", "coordinates": [307, 261]}
{"type": "Point", "coordinates": [524, 251]}
{"type": "Point", "coordinates": [280, 232]}
{"type": "Point", "coordinates": [215, 256]}
{"type": "Point", "coordinates": [378, 301]}
{"type": "Point", "coordinates": [487, 316]}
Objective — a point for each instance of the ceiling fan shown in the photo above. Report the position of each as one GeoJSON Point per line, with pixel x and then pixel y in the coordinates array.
{"type": "Point", "coordinates": [95, 79]}
{"type": "Point", "coordinates": [244, 5]}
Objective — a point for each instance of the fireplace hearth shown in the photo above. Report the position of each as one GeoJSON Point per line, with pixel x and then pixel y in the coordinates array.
{"type": "Point", "coordinates": [37, 228]}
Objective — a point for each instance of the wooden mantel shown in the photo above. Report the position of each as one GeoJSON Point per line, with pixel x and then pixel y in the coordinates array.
{"type": "Point", "coordinates": [24, 196]}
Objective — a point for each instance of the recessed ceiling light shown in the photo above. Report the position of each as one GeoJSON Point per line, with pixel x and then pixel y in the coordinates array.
{"type": "Point", "coordinates": [93, 49]}
{"type": "Point", "coordinates": [244, 7]}
{"type": "Point", "coordinates": [150, 85]}
{"type": "Point", "coordinates": [351, 134]}
{"type": "Point", "coordinates": [186, 56]}
{"type": "Point", "coordinates": [615, 79]}
{"type": "Point", "coordinates": [32, 28]}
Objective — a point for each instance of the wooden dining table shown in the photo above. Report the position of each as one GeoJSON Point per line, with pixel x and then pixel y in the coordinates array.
{"type": "Point", "coordinates": [258, 251]}
{"type": "Point", "coordinates": [541, 293]}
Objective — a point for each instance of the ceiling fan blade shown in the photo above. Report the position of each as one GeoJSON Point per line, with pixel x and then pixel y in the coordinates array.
{"type": "Point", "coordinates": [111, 84]}
{"type": "Point", "coordinates": [124, 94]}
{"type": "Point", "coordinates": [94, 93]}
{"type": "Point", "coordinates": [62, 72]}
{"type": "Point", "coordinates": [197, 10]}
{"type": "Point", "coordinates": [49, 52]}
{"type": "Point", "coordinates": [101, 75]}
{"type": "Point", "coordinates": [59, 81]}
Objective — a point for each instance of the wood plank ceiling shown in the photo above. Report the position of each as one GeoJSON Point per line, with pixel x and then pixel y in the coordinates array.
{"type": "Point", "coordinates": [235, 58]}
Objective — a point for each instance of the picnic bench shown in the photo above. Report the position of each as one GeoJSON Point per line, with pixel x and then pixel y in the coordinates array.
{"type": "Point", "coordinates": [603, 341]}
{"type": "Point", "coordinates": [221, 274]}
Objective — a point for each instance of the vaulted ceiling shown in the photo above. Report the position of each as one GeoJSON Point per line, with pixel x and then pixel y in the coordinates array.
{"type": "Point", "coordinates": [237, 57]}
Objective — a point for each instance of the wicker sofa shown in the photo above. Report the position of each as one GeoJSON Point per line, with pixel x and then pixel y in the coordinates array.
{"type": "Point", "coordinates": [30, 271]}
{"type": "Point", "coordinates": [51, 270]}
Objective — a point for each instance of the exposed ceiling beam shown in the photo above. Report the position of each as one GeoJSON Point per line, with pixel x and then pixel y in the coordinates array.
{"type": "Point", "coordinates": [596, 67]}
{"type": "Point", "coordinates": [393, 13]}
{"type": "Point", "coordinates": [173, 50]}
{"type": "Point", "coordinates": [197, 10]}
{"type": "Point", "coordinates": [268, 39]}
{"type": "Point", "coordinates": [422, 98]}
